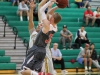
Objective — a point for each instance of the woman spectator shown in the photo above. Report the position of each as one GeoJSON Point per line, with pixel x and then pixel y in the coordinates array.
{"type": "Point", "coordinates": [93, 55]}
{"type": "Point", "coordinates": [79, 3]}
{"type": "Point", "coordinates": [97, 15]}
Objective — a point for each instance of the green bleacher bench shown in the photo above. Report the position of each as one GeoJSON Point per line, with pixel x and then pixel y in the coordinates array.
{"type": "Point", "coordinates": [7, 66]}
{"type": "Point", "coordinates": [89, 34]}
{"type": "Point", "coordinates": [19, 23]}
{"type": "Point", "coordinates": [7, 12]}
{"type": "Point", "coordinates": [17, 18]}
{"type": "Point", "coordinates": [72, 29]}
{"type": "Point", "coordinates": [8, 8]}
{"type": "Point", "coordinates": [2, 52]}
{"type": "Point", "coordinates": [67, 10]}
{"type": "Point", "coordinates": [71, 1]}
{"type": "Point", "coordinates": [93, 40]}
{"type": "Point", "coordinates": [73, 5]}
{"type": "Point", "coordinates": [4, 59]}
{"type": "Point", "coordinates": [97, 45]}
{"type": "Point", "coordinates": [5, 3]}
{"type": "Point", "coordinates": [69, 65]}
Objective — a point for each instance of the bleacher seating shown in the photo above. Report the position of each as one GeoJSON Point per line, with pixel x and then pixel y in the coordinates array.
{"type": "Point", "coordinates": [70, 17]}
{"type": "Point", "coordinates": [5, 63]}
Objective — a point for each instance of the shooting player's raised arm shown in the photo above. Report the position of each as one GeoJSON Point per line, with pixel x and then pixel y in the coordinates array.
{"type": "Point", "coordinates": [31, 23]}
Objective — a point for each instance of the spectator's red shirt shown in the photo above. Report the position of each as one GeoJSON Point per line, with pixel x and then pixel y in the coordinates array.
{"type": "Point", "coordinates": [97, 15]}
{"type": "Point", "coordinates": [88, 13]}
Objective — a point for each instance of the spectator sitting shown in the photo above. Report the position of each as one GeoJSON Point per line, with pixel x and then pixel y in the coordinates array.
{"type": "Point", "coordinates": [86, 3]}
{"type": "Point", "coordinates": [66, 36]}
{"type": "Point", "coordinates": [57, 57]}
{"type": "Point", "coordinates": [97, 15]}
{"type": "Point", "coordinates": [22, 8]}
{"type": "Point", "coordinates": [84, 57]}
{"type": "Point", "coordinates": [94, 56]}
{"type": "Point", "coordinates": [88, 16]}
{"type": "Point", "coordinates": [81, 36]}
{"type": "Point", "coordinates": [15, 1]}
{"type": "Point", "coordinates": [79, 3]}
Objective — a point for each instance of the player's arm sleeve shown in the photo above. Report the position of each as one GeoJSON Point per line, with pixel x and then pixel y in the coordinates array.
{"type": "Point", "coordinates": [42, 10]}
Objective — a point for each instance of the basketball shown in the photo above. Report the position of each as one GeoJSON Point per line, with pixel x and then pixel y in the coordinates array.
{"type": "Point", "coordinates": [62, 3]}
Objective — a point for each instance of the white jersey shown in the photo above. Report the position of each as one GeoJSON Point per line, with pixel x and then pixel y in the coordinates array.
{"type": "Point", "coordinates": [32, 38]}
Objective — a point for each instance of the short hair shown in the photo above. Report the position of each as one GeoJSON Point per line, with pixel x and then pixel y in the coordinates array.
{"type": "Point", "coordinates": [82, 26]}
{"type": "Point", "coordinates": [92, 44]}
{"type": "Point", "coordinates": [55, 44]}
{"type": "Point", "coordinates": [88, 6]}
{"type": "Point", "coordinates": [57, 18]}
{"type": "Point", "coordinates": [22, 0]}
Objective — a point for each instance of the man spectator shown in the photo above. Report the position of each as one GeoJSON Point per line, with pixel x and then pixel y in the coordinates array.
{"type": "Point", "coordinates": [57, 57]}
{"type": "Point", "coordinates": [81, 37]}
{"type": "Point", "coordinates": [94, 56]}
{"type": "Point", "coordinates": [88, 16]}
{"type": "Point", "coordinates": [66, 36]}
{"type": "Point", "coordinates": [86, 3]}
{"type": "Point", "coordinates": [84, 57]}
{"type": "Point", "coordinates": [22, 9]}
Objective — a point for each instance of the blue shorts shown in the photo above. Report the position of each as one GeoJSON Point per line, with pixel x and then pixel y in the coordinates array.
{"type": "Point", "coordinates": [80, 60]}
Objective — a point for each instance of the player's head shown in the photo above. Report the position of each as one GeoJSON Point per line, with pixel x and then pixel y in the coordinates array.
{"type": "Point", "coordinates": [82, 28]}
{"type": "Point", "coordinates": [55, 18]}
{"type": "Point", "coordinates": [64, 27]}
{"type": "Point", "coordinates": [40, 25]}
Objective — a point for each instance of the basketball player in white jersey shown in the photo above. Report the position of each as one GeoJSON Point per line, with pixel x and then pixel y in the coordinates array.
{"type": "Point", "coordinates": [55, 18]}
{"type": "Point", "coordinates": [33, 33]}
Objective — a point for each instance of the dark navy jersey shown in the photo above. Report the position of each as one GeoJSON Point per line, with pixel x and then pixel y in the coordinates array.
{"type": "Point", "coordinates": [43, 39]}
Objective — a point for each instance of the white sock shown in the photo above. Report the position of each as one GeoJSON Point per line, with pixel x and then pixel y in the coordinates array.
{"type": "Point", "coordinates": [85, 67]}
{"type": "Point", "coordinates": [21, 18]}
{"type": "Point", "coordinates": [89, 68]}
{"type": "Point", "coordinates": [34, 73]}
{"type": "Point", "coordinates": [28, 18]}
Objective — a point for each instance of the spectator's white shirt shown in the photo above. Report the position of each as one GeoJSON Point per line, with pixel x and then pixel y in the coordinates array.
{"type": "Point", "coordinates": [23, 7]}
{"type": "Point", "coordinates": [94, 13]}
{"type": "Point", "coordinates": [81, 33]}
{"type": "Point", "coordinates": [56, 53]}
{"type": "Point", "coordinates": [82, 52]}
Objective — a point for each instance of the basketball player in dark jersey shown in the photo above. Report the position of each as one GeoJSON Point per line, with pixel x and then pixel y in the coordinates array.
{"type": "Point", "coordinates": [43, 37]}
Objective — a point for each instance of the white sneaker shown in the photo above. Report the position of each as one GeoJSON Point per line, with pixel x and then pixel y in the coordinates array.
{"type": "Point", "coordinates": [54, 72]}
{"type": "Point", "coordinates": [64, 72]}
{"type": "Point", "coordinates": [64, 48]}
{"type": "Point", "coordinates": [86, 72]}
